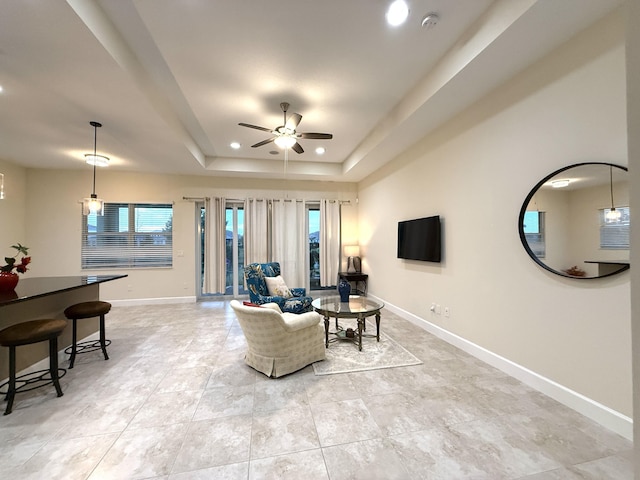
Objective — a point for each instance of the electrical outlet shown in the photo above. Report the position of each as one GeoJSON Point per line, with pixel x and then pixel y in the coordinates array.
{"type": "Point", "coordinates": [447, 312]}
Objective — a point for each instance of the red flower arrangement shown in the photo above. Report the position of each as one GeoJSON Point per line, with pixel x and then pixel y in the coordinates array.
{"type": "Point", "coordinates": [11, 261]}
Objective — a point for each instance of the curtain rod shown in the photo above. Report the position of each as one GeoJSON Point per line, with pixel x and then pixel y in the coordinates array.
{"type": "Point", "coordinates": [195, 199]}
{"type": "Point", "coordinates": [200, 199]}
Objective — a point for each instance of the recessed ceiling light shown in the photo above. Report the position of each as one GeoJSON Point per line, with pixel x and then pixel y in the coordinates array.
{"type": "Point", "coordinates": [0, 88]}
{"type": "Point", "coordinates": [234, 145]}
{"type": "Point", "coordinates": [397, 13]}
{"type": "Point", "coordinates": [320, 150]}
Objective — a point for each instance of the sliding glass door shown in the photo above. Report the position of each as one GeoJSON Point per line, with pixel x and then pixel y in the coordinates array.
{"type": "Point", "coordinates": [234, 250]}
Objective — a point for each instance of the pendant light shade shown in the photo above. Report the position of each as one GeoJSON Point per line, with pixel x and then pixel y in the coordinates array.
{"type": "Point", "coordinates": [93, 204]}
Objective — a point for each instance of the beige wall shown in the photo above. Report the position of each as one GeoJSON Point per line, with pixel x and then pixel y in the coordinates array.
{"type": "Point", "coordinates": [13, 208]}
{"type": "Point", "coordinates": [54, 226]}
{"type": "Point", "coordinates": [475, 172]}
{"type": "Point", "coordinates": [633, 127]}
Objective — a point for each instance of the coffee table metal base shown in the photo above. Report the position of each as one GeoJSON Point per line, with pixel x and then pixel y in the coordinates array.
{"type": "Point", "coordinates": [340, 334]}
{"type": "Point", "coordinates": [357, 308]}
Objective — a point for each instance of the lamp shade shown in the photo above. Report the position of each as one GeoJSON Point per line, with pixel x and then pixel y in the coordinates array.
{"type": "Point", "coordinates": [613, 215]}
{"type": "Point", "coordinates": [93, 205]}
{"type": "Point", "coordinates": [352, 250]}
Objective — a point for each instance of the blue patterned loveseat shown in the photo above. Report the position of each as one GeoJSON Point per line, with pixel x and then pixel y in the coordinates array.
{"type": "Point", "coordinates": [255, 274]}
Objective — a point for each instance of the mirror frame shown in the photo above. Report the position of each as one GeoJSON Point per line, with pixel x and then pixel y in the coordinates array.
{"type": "Point", "coordinates": [523, 209]}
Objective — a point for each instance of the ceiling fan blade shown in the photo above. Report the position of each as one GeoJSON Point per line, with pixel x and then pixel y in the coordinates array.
{"type": "Point", "coordinates": [297, 148]}
{"type": "Point", "coordinates": [318, 136]}
{"type": "Point", "coordinates": [264, 142]}
{"type": "Point", "coordinates": [256, 127]}
{"type": "Point", "coordinates": [293, 121]}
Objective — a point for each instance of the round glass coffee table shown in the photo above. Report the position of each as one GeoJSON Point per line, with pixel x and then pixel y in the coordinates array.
{"type": "Point", "coordinates": [357, 307]}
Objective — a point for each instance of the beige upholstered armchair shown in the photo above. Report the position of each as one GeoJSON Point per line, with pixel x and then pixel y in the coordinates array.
{"type": "Point", "coordinates": [280, 343]}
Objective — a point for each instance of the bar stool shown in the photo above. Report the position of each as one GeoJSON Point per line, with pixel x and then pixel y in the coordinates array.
{"type": "Point", "coordinates": [87, 310]}
{"type": "Point", "coordinates": [25, 333]}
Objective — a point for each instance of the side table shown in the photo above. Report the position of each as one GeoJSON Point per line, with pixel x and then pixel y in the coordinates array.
{"type": "Point", "coordinates": [356, 278]}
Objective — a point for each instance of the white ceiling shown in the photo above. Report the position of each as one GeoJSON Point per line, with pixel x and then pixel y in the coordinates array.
{"type": "Point", "coordinates": [170, 80]}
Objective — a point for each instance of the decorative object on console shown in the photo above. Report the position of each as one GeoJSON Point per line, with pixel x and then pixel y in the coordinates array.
{"type": "Point", "coordinates": [93, 204]}
{"type": "Point", "coordinates": [358, 280]}
{"type": "Point", "coordinates": [9, 279]}
{"type": "Point", "coordinates": [344, 289]}
{"type": "Point", "coordinates": [354, 265]}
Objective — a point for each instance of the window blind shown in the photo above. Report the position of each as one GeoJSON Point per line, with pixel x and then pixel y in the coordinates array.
{"type": "Point", "coordinates": [129, 235]}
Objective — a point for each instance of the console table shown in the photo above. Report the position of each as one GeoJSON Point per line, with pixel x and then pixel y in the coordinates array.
{"type": "Point", "coordinates": [356, 278]}
{"type": "Point", "coordinates": [47, 297]}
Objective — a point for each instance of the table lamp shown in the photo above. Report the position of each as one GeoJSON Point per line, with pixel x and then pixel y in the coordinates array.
{"type": "Point", "coordinates": [353, 258]}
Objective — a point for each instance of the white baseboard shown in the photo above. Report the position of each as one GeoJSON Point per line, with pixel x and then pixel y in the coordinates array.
{"type": "Point", "coordinates": [151, 301]}
{"type": "Point", "coordinates": [605, 416]}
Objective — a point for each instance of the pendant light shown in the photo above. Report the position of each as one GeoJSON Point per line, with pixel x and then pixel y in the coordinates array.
{"type": "Point", "coordinates": [612, 215]}
{"type": "Point", "coordinates": [93, 204]}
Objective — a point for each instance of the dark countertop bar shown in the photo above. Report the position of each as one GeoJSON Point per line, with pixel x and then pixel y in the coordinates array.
{"type": "Point", "coordinates": [36, 287]}
{"type": "Point", "coordinates": [609, 262]}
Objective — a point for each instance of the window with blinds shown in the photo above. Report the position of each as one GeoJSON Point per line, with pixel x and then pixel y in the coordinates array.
{"type": "Point", "coordinates": [534, 232]}
{"type": "Point", "coordinates": [129, 235]}
{"type": "Point", "coordinates": [614, 235]}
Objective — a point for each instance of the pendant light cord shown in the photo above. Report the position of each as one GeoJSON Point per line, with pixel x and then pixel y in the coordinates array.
{"type": "Point", "coordinates": [611, 186]}
{"type": "Point", "coordinates": [95, 141]}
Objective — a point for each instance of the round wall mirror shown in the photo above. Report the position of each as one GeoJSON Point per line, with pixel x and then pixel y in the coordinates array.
{"type": "Point", "coordinates": [575, 221]}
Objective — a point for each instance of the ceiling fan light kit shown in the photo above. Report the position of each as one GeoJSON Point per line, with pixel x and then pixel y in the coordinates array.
{"type": "Point", "coordinates": [285, 141]}
{"type": "Point", "coordinates": [286, 136]}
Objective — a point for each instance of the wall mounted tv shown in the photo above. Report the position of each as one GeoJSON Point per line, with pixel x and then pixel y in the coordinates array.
{"type": "Point", "coordinates": [420, 239]}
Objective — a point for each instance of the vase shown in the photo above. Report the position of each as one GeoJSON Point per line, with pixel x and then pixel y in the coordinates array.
{"type": "Point", "coordinates": [344, 289]}
{"type": "Point", "coordinates": [8, 281]}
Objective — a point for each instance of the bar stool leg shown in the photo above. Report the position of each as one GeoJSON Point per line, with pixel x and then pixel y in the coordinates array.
{"type": "Point", "coordinates": [102, 338]}
{"type": "Point", "coordinates": [74, 341]}
{"type": "Point", "coordinates": [53, 364]}
{"type": "Point", "coordinates": [11, 392]}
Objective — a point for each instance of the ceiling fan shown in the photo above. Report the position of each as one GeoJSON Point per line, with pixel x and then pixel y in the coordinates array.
{"type": "Point", "coordinates": [286, 136]}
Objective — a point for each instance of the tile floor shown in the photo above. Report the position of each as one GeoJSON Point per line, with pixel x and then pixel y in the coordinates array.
{"type": "Point", "coordinates": [175, 401]}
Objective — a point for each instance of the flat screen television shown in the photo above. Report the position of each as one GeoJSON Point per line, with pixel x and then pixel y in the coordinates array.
{"type": "Point", "coordinates": [419, 239]}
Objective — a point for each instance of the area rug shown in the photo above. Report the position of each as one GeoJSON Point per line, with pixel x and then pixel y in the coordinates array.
{"type": "Point", "coordinates": [344, 356]}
